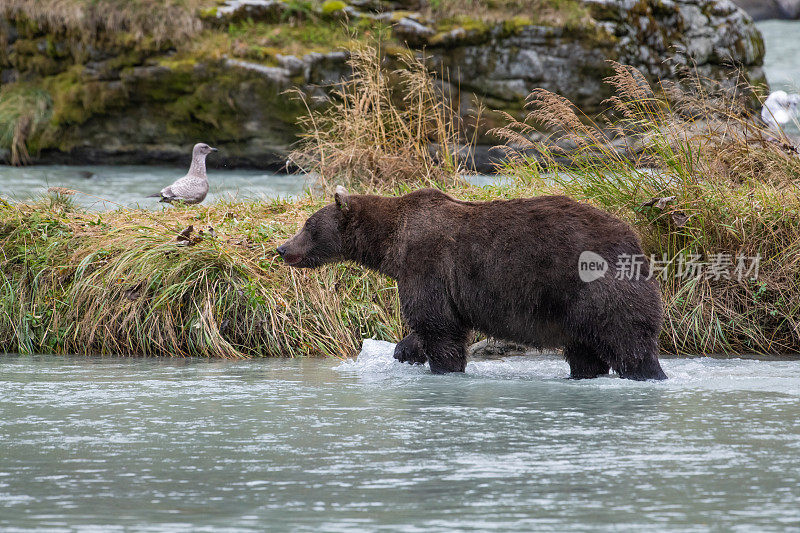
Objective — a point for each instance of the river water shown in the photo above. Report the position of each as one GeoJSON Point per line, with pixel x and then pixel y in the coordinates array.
{"type": "Point", "coordinates": [104, 187]}
{"type": "Point", "coordinates": [782, 58]}
{"type": "Point", "coordinates": [370, 444]}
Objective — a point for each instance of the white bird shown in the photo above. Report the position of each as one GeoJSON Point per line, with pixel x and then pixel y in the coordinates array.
{"type": "Point", "coordinates": [193, 187]}
{"type": "Point", "coordinates": [779, 108]}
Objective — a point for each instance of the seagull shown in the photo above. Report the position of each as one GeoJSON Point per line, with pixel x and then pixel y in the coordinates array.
{"type": "Point", "coordinates": [779, 108]}
{"type": "Point", "coordinates": [193, 187]}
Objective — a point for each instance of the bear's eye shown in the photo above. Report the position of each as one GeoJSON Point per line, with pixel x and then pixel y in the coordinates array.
{"type": "Point", "coordinates": [311, 228]}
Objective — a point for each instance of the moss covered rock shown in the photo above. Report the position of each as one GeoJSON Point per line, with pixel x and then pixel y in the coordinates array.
{"type": "Point", "coordinates": [234, 79]}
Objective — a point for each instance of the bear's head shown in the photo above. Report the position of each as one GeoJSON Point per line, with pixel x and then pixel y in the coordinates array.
{"type": "Point", "coordinates": [320, 240]}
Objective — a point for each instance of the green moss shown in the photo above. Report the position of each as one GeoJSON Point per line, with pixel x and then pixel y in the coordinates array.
{"type": "Point", "coordinates": [181, 62]}
{"type": "Point", "coordinates": [332, 6]}
{"type": "Point", "coordinates": [474, 30]}
{"type": "Point", "coordinates": [30, 56]}
{"type": "Point", "coordinates": [75, 99]}
{"type": "Point", "coordinates": [165, 86]}
{"type": "Point", "coordinates": [208, 100]}
{"type": "Point", "coordinates": [514, 25]}
{"type": "Point", "coordinates": [26, 27]}
{"type": "Point", "coordinates": [400, 14]}
{"type": "Point", "coordinates": [261, 41]}
{"type": "Point", "coordinates": [208, 109]}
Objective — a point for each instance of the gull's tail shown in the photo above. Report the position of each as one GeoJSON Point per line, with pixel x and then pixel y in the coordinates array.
{"type": "Point", "coordinates": [156, 195]}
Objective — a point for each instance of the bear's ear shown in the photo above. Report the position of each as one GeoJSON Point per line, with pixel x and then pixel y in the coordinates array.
{"type": "Point", "coordinates": [342, 198]}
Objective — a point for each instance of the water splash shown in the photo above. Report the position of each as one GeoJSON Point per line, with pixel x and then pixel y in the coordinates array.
{"type": "Point", "coordinates": [376, 362]}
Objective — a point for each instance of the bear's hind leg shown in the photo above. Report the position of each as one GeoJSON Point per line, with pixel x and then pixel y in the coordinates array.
{"type": "Point", "coordinates": [409, 350]}
{"type": "Point", "coordinates": [584, 361]}
{"type": "Point", "coordinates": [642, 368]}
{"type": "Point", "coordinates": [637, 359]}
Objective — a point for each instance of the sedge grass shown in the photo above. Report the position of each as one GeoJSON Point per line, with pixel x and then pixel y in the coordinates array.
{"type": "Point", "coordinates": [119, 283]}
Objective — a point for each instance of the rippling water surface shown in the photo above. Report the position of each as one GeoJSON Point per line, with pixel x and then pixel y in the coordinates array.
{"type": "Point", "coordinates": [109, 187]}
{"type": "Point", "coordinates": [103, 187]}
{"type": "Point", "coordinates": [188, 445]}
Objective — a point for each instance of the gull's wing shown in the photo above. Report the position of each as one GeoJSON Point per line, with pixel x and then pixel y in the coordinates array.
{"type": "Point", "coordinates": [189, 189]}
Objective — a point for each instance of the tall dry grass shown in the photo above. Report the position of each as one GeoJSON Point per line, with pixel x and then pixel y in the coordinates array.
{"type": "Point", "coordinates": [697, 174]}
{"type": "Point", "coordinates": [385, 128]}
{"type": "Point", "coordinates": [162, 20]}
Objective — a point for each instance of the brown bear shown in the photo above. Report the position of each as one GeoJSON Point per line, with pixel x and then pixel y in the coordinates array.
{"type": "Point", "coordinates": [508, 268]}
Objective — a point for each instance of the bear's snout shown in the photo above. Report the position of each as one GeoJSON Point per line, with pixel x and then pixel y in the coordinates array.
{"type": "Point", "coordinates": [291, 254]}
{"type": "Point", "coordinates": [290, 258]}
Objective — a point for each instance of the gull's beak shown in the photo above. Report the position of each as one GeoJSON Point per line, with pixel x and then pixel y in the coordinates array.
{"type": "Point", "coordinates": [214, 150]}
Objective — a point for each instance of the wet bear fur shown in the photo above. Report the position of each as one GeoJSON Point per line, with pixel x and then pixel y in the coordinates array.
{"type": "Point", "coordinates": [506, 268]}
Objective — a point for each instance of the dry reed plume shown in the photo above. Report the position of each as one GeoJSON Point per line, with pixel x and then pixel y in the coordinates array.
{"type": "Point", "coordinates": [381, 127]}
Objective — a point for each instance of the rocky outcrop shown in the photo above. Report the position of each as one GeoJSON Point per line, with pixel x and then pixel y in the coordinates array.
{"type": "Point", "coordinates": [770, 9]}
{"type": "Point", "coordinates": [113, 103]}
{"type": "Point", "coordinates": [658, 37]}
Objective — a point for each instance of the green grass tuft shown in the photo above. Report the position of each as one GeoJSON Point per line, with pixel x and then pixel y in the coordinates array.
{"type": "Point", "coordinates": [24, 112]}
{"type": "Point", "coordinates": [120, 283]}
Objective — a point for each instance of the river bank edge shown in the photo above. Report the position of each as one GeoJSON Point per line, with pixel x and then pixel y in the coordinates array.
{"type": "Point", "coordinates": [133, 282]}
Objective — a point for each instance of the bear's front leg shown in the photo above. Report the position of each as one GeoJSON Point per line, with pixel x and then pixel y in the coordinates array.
{"type": "Point", "coordinates": [430, 315]}
{"type": "Point", "coordinates": [446, 354]}
{"type": "Point", "coordinates": [409, 350]}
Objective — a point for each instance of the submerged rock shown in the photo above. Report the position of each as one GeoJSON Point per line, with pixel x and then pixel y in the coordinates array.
{"type": "Point", "coordinates": [771, 9]}
{"type": "Point", "coordinates": [494, 348]}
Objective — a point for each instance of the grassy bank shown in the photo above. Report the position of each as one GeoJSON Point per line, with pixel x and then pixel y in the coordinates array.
{"type": "Point", "coordinates": [120, 283]}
